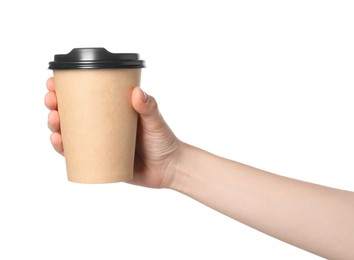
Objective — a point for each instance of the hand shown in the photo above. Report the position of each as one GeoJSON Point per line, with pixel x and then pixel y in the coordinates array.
{"type": "Point", "coordinates": [157, 147]}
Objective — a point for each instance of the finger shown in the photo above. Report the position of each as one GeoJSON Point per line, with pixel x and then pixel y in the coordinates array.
{"type": "Point", "coordinates": [53, 121]}
{"type": "Point", "coordinates": [144, 104]}
{"type": "Point", "coordinates": [147, 108]}
{"type": "Point", "coordinates": [50, 84]}
{"type": "Point", "coordinates": [50, 100]}
{"type": "Point", "coordinates": [57, 143]}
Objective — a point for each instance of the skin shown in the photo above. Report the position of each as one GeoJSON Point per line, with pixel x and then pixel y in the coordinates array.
{"type": "Point", "coordinates": [312, 217]}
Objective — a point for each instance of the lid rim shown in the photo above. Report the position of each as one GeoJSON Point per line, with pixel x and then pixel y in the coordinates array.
{"type": "Point", "coordinates": [94, 65]}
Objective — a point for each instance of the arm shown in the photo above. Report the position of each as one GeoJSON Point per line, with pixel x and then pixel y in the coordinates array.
{"type": "Point", "coordinates": [313, 217]}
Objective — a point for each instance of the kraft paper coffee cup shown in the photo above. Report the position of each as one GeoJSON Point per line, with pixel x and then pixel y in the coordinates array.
{"type": "Point", "coordinates": [97, 121]}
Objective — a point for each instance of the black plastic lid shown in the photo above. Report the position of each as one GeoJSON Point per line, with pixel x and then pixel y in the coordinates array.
{"type": "Point", "coordinates": [95, 58]}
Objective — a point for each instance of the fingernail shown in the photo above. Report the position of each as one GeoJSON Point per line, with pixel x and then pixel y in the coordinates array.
{"type": "Point", "coordinates": [146, 97]}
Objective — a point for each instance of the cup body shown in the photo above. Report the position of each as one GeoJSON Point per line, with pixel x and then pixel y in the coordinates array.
{"type": "Point", "coordinates": [98, 123]}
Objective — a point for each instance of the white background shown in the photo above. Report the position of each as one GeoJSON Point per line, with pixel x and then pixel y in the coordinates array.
{"type": "Point", "coordinates": [266, 83]}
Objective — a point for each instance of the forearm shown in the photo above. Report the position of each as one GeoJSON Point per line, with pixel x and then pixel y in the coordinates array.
{"type": "Point", "coordinates": [316, 218]}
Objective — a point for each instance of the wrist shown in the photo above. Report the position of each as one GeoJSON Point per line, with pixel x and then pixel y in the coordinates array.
{"type": "Point", "coordinates": [184, 167]}
{"type": "Point", "coordinates": [174, 171]}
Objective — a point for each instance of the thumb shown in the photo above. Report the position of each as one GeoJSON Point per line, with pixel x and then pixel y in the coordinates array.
{"type": "Point", "coordinates": [146, 107]}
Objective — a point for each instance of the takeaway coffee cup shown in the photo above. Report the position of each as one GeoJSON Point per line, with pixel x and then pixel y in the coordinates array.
{"type": "Point", "coordinates": [98, 123]}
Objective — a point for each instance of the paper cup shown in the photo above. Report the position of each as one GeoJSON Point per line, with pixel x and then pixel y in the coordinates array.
{"type": "Point", "coordinates": [97, 121]}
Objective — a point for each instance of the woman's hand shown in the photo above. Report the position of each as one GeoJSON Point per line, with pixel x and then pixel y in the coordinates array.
{"type": "Point", "coordinates": [157, 147]}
